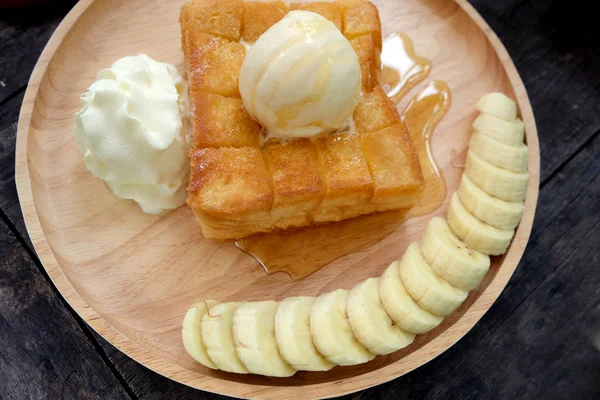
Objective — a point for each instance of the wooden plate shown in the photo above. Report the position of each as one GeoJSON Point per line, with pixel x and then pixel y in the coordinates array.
{"type": "Point", "coordinates": [132, 276]}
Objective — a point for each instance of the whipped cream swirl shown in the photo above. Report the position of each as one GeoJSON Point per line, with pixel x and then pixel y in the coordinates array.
{"type": "Point", "coordinates": [132, 129]}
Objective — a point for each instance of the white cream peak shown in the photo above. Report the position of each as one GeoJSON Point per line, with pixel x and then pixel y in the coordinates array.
{"type": "Point", "coordinates": [132, 129]}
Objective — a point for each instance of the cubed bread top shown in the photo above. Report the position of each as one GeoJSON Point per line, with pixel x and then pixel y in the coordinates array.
{"type": "Point", "coordinates": [240, 183]}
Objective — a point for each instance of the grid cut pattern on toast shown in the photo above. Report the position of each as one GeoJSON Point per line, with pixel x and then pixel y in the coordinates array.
{"type": "Point", "coordinates": [240, 187]}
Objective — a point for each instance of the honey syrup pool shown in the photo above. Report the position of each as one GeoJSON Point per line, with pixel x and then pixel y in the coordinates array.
{"type": "Point", "coordinates": [303, 251]}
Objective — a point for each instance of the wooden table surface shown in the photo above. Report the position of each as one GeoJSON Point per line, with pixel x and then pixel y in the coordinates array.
{"type": "Point", "coordinates": [541, 339]}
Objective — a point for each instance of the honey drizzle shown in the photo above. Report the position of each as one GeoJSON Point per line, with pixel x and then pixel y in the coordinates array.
{"type": "Point", "coordinates": [402, 69]}
{"type": "Point", "coordinates": [421, 116]}
{"type": "Point", "coordinates": [303, 251]}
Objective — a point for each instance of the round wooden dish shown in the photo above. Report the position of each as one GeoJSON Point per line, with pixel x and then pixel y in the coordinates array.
{"type": "Point", "coordinates": [132, 276]}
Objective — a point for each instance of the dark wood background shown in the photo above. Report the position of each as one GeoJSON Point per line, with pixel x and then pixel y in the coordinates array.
{"type": "Point", "coordinates": [540, 340]}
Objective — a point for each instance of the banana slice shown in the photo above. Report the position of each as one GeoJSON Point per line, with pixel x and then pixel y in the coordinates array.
{"type": "Point", "coordinates": [331, 331]}
{"type": "Point", "coordinates": [370, 323]}
{"type": "Point", "coordinates": [501, 214]}
{"type": "Point", "coordinates": [511, 158]}
{"type": "Point", "coordinates": [292, 333]}
{"type": "Point", "coordinates": [507, 132]}
{"type": "Point", "coordinates": [505, 185]}
{"type": "Point", "coordinates": [498, 105]}
{"type": "Point", "coordinates": [450, 258]}
{"type": "Point", "coordinates": [192, 332]}
{"type": "Point", "coordinates": [474, 233]}
{"type": "Point", "coordinates": [254, 338]}
{"type": "Point", "coordinates": [403, 310]}
{"type": "Point", "coordinates": [429, 290]}
{"type": "Point", "coordinates": [217, 335]}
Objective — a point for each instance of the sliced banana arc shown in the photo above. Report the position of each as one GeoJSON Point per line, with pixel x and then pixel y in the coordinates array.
{"type": "Point", "coordinates": [510, 133]}
{"type": "Point", "coordinates": [398, 304]}
{"type": "Point", "coordinates": [217, 335]}
{"type": "Point", "coordinates": [292, 334]}
{"type": "Point", "coordinates": [192, 332]}
{"type": "Point", "coordinates": [413, 295]}
{"type": "Point", "coordinates": [511, 158]}
{"type": "Point", "coordinates": [499, 105]}
{"type": "Point", "coordinates": [474, 233]}
{"type": "Point", "coordinates": [331, 331]}
{"type": "Point", "coordinates": [254, 338]}
{"type": "Point", "coordinates": [450, 258]}
{"type": "Point", "coordinates": [370, 323]}
{"type": "Point", "coordinates": [429, 290]}
{"type": "Point", "coordinates": [501, 214]}
{"type": "Point", "coordinates": [500, 183]}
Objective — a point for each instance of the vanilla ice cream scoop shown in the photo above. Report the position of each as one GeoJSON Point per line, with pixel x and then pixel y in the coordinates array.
{"type": "Point", "coordinates": [132, 131]}
{"type": "Point", "coordinates": [301, 78]}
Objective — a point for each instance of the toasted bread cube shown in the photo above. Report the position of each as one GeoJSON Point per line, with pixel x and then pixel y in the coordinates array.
{"type": "Point", "coordinates": [347, 179]}
{"type": "Point", "coordinates": [375, 111]}
{"type": "Point", "coordinates": [260, 16]}
{"type": "Point", "coordinates": [394, 165]}
{"type": "Point", "coordinates": [213, 63]}
{"type": "Point", "coordinates": [218, 17]}
{"type": "Point", "coordinates": [360, 17]}
{"type": "Point", "coordinates": [331, 10]}
{"type": "Point", "coordinates": [368, 57]}
{"type": "Point", "coordinates": [239, 186]}
{"type": "Point", "coordinates": [219, 121]}
{"type": "Point", "coordinates": [230, 183]}
{"type": "Point", "coordinates": [297, 184]}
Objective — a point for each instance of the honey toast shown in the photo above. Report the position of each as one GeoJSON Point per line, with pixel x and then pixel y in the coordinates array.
{"type": "Point", "coordinates": [241, 184]}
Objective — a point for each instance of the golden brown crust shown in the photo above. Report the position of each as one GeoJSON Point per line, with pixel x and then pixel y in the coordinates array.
{"type": "Point", "coordinates": [375, 111]}
{"type": "Point", "coordinates": [238, 188]}
{"type": "Point", "coordinates": [217, 17]}
{"type": "Point", "coordinates": [394, 165]}
{"type": "Point", "coordinates": [213, 63]}
{"type": "Point", "coordinates": [219, 121]}
{"type": "Point", "coordinates": [367, 57]}
{"type": "Point", "coordinates": [297, 184]}
{"type": "Point", "coordinates": [360, 17]}
{"type": "Point", "coordinates": [260, 16]}
{"type": "Point", "coordinates": [229, 182]}
{"type": "Point", "coordinates": [332, 10]}
{"type": "Point", "coordinates": [347, 179]}
{"type": "Point", "coordinates": [228, 229]}
{"type": "Point", "coordinates": [295, 171]}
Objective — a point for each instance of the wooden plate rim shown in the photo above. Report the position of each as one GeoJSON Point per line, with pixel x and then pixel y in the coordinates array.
{"type": "Point", "coordinates": [240, 389]}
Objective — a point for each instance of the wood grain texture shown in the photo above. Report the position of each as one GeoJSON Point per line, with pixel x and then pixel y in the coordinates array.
{"type": "Point", "coordinates": [41, 22]}
{"type": "Point", "coordinates": [559, 69]}
{"type": "Point", "coordinates": [91, 243]}
{"type": "Point", "coordinates": [34, 327]}
{"type": "Point", "coordinates": [9, 201]}
{"type": "Point", "coordinates": [555, 47]}
{"type": "Point", "coordinates": [479, 374]}
{"type": "Point", "coordinates": [540, 334]}
{"type": "Point", "coordinates": [547, 280]}
{"type": "Point", "coordinates": [9, 109]}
